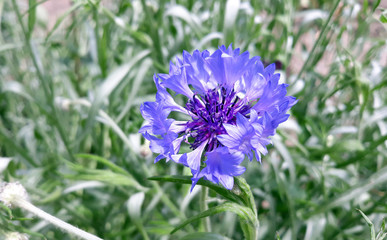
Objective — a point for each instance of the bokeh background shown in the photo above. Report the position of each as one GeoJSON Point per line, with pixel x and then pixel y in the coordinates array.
{"type": "Point", "coordinates": [74, 73]}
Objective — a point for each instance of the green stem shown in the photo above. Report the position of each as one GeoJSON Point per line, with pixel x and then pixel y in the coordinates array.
{"type": "Point", "coordinates": [22, 203]}
{"type": "Point", "coordinates": [204, 207]}
{"type": "Point", "coordinates": [250, 231]}
{"type": "Point", "coordinates": [142, 231]}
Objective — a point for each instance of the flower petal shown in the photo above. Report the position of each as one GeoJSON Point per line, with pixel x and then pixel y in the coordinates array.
{"type": "Point", "coordinates": [177, 81]}
{"type": "Point", "coordinates": [191, 159]}
{"type": "Point", "coordinates": [163, 96]}
{"type": "Point", "coordinates": [227, 66]}
{"type": "Point", "coordinates": [221, 167]}
{"type": "Point", "coordinates": [166, 146]}
{"type": "Point", "coordinates": [156, 115]}
{"type": "Point", "coordinates": [245, 136]}
{"type": "Point", "coordinates": [197, 72]}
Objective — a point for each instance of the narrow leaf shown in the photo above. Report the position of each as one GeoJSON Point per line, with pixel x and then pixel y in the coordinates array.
{"type": "Point", "coordinates": [134, 206]}
{"type": "Point", "coordinates": [61, 18]}
{"type": "Point", "coordinates": [379, 177]}
{"type": "Point", "coordinates": [104, 161]}
{"type": "Point", "coordinates": [203, 236]}
{"type": "Point", "coordinates": [182, 13]}
{"type": "Point", "coordinates": [117, 75]}
{"type": "Point", "coordinates": [370, 224]}
{"type": "Point", "coordinates": [106, 176]}
{"type": "Point", "coordinates": [383, 18]}
{"type": "Point", "coordinates": [246, 193]}
{"type": "Point", "coordinates": [4, 161]}
{"type": "Point", "coordinates": [108, 86]}
{"type": "Point", "coordinates": [244, 213]}
{"type": "Point", "coordinates": [232, 9]}
{"type": "Point", "coordinates": [187, 180]}
{"type": "Point", "coordinates": [376, 4]}
{"type": "Point", "coordinates": [31, 16]}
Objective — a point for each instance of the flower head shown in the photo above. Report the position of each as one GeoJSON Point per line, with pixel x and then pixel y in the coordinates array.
{"type": "Point", "coordinates": [15, 236]}
{"type": "Point", "coordinates": [11, 192]}
{"type": "Point", "coordinates": [233, 105]}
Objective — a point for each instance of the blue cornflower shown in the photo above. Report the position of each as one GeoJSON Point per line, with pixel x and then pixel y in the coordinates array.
{"type": "Point", "coordinates": [234, 104]}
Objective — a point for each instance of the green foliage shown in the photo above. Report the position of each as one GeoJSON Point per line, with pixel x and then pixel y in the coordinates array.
{"type": "Point", "coordinates": [382, 234]}
{"type": "Point", "coordinates": [70, 91]}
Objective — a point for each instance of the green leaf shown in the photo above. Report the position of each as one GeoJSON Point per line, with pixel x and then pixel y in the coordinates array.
{"type": "Point", "coordinates": [105, 162]}
{"type": "Point", "coordinates": [365, 6]}
{"type": "Point", "coordinates": [102, 175]}
{"type": "Point", "coordinates": [376, 4]}
{"type": "Point", "coordinates": [283, 150]}
{"type": "Point", "coordinates": [107, 87]}
{"type": "Point", "coordinates": [383, 18]}
{"type": "Point", "coordinates": [137, 83]}
{"type": "Point", "coordinates": [376, 179]}
{"type": "Point", "coordinates": [181, 12]}
{"type": "Point", "coordinates": [159, 227]}
{"type": "Point", "coordinates": [246, 193]}
{"type": "Point", "coordinates": [208, 38]}
{"type": "Point", "coordinates": [277, 236]}
{"type": "Point", "coordinates": [4, 161]}
{"type": "Point", "coordinates": [31, 16]}
{"type": "Point", "coordinates": [6, 139]}
{"type": "Point", "coordinates": [134, 206]}
{"type": "Point", "coordinates": [7, 209]}
{"type": "Point", "coordinates": [245, 214]}
{"type": "Point", "coordinates": [370, 224]}
{"type": "Point", "coordinates": [118, 74]}
{"type": "Point", "coordinates": [204, 236]}
{"type": "Point", "coordinates": [61, 18]}
{"type": "Point", "coordinates": [232, 9]}
{"type": "Point", "coordinates": [348, 145]}
{"type": "Point", "coordinates": [187, 180]}
{"type": "Point", "coordinates": [382, 235]}
{"type": "Point", "coordinates": [102, 47]}
{"type": "Point", "coordinates": [139, 36]}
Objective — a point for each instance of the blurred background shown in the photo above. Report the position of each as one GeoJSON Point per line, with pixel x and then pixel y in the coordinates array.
{"type": "Point", "coordinates": [74, 73]}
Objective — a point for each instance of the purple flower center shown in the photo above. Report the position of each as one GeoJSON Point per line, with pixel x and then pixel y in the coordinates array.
{"type": "Point", "coordinates": [209, 112]}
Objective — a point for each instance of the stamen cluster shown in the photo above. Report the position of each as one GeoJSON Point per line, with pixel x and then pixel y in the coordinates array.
{"type": "Point", "coordinates": [209, 112]}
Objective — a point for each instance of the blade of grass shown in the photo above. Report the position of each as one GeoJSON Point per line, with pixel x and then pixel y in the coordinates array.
{"type": "Point", "coordinates": [232, 9]}
{"type": "Point", "coordinates": [61, 18]}
{"type": "Point", "coordinates": [244, 213]}
{"type": "Point", "coordinates": [376, 179]}
{"type": "Point", "coordinates": [187, 180]}
{"type": "Point", "coordinates": [136, 85]}
{"type": "Point", "coordinates": [44, 82]}
{"type": "Point", "coordinates": [319, 39]}
{"type": "Point", "coordinates": [31, 17]}
{"type": "Point", "coordinates": [105, 89]}
{"type": "Point", "coordinates": [370, 224]}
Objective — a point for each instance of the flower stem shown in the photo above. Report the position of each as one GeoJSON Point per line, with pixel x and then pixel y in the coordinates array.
{"type": "Point", "coordinates": [22, 203]}
{"type": "Point", "coordinates": [204, 207]}
{"type": "Point", "coordinates": [250, 231]}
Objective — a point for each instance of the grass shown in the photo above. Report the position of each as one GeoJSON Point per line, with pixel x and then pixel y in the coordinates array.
{"type": "Point", "coordinates": [69, 116]}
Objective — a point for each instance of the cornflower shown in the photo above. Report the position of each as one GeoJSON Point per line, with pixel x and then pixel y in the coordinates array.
{"type": "Point", "coordinates": [233, 106]}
